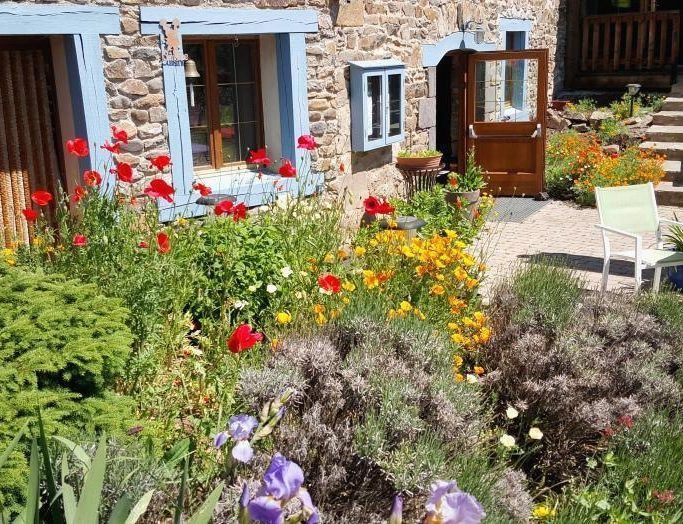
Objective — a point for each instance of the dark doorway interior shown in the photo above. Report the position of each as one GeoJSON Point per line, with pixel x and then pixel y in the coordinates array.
{"type": "Point", "coordinates": [444, 104]}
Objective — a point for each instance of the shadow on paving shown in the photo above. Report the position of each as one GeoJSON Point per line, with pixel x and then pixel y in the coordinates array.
{"type": "Point", "coordinates": [620, 268]}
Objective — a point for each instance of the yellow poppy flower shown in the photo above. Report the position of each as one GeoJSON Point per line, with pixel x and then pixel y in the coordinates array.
{"type": "Point", "coordinates": [349, 286]}
{"type": "Point", "coordinates": [283, 318]}
{"type": "Point", "coordinates": [359, 251]}
{"type": "Point", "coordinates": [437, 289]}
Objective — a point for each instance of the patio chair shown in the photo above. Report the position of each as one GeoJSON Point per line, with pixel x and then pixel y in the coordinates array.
{"type": "Point", "coordinates": [631, 211]}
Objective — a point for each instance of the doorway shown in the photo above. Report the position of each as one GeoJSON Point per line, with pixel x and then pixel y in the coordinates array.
{"type": "Point", "coordinates": [451, 74]}
{"type": "Point", "coordinates": [29, 129]}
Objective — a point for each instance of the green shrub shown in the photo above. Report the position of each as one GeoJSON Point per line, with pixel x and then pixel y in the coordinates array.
{"type": "Point", "coordinates": [637, 480]}
{"type": "Point", "coordinates": [611, 130]}
{"type": "Point", "coordinates": [62, 348]}
{"type": "Point", "coordinates": [547, 293]}
{"type": "Point", "coordinates": [377, 411]}
{"type": "Point", "coordinates": [584, 107]}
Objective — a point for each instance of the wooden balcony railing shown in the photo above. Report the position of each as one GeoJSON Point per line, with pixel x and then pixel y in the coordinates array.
{"type": "Point", "coordinates": [630, 42]}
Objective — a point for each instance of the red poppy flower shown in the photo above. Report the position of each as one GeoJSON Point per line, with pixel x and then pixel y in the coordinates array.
{"type": "Point", "coordinates": [161, 162]}
{"type": "Point", "coordinates": [203, 190]}
{"type": "Point", "coordinates": [142, 244]}
{"type": "Point", "coordinates": [29, 215]}
{"type": "Point", "coordinates": [307, 142]}
{"type": "Point", "coordinates": [41, 198]}
{"type": "Point", "coordinates": [239, 212]}
{"type": "Point", "coordinates": [163, 242]}
{"type": "Point", "coordinates": [287, 170]}
{"type": "Point", "coordinates": [371, 205]}
{"type": "Point", "coordinates": [626, 421]}
{"type": "Point", "coordinates": [259, 156]}
{"type": "Point", "coordinates": [79, 194]}
{"type": "Point", "coordinates": [119, 134]}
{"type": "Point", "coordinates": [243, 338]}
{"type": "Point", "coordinates": [114, 148]}
{"type": "Point", "coordinates": [159, 189]}
{"type": "Point", "coordinates": [80, 241]}
{"type": "Point", "coordinates": [124, 172]}
{"type": "Point", "coordinates": [224, 208]}
{"type": "Point", "coordinates": [329, 283]}
{"type": "Point", "coordinates": [386, 208]}
{"type": "Point", "coordinates": [92, 178]}
{"type": "Point", "coordinates": [78, 147]}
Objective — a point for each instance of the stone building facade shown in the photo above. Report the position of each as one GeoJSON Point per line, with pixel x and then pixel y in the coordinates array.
{"type": "Point", "coordinates": [410, 31]}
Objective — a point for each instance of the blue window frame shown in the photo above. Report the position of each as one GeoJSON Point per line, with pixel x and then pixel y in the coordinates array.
{"type": "Point", "coordinates": [377, 103]}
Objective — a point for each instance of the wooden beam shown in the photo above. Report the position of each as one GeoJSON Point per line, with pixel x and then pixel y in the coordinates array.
{"type": "Point", "coordinates": [62, 19]}
{"type": "Point", "coordinates": [230, 21]}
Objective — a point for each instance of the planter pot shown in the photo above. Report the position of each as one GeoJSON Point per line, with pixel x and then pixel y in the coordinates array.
{"type": "Point", "coordinates": [675, 276]}
{"type": "Point", "coordinates": [415, 163]}
{"type": "Point", "coordinates": [559, 105]}
{"type": "Point", "coordinates": [469, 198]}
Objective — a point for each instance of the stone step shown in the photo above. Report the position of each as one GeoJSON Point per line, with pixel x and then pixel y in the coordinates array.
{"type": "Point", "coordinates": [672, 168]}
{"type": "Point", "coordinates": [669, 194]}
{"type": "Point", "coordinates": [668, 118]}
{"type": "Point", "coordinates": [673, 103]}
{"type": "Point", "coordinates": [671, 150]}
{"type": "Point", "coordinates": [665, 133]}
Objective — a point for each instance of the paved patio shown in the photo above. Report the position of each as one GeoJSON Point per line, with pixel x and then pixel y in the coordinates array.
{"type": "Point", "coordinates": [519, 231]}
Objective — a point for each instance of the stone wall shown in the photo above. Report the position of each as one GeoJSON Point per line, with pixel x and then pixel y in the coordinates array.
{"type": "Point", "coordinates": [390, 28]}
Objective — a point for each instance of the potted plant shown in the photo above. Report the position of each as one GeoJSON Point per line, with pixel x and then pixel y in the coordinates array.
{"type": "Point", "coordinates": [425, 159]}
{"type": "Point", "coordinates": [465, 189]}
{"type": "Point", "coordinates": [675, 241]}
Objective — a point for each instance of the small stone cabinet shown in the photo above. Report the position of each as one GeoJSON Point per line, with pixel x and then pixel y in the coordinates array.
{"type": "Point", "coordinates": [377, 103]}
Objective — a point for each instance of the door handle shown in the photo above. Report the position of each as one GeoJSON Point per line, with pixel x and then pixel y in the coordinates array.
{"type": "Point", "coordinates": [537, 132]}
{"type": "Point", "coordinates": [472, 133]}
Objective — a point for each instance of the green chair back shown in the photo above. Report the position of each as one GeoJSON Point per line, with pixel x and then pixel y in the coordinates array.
{"type": "Point", "coordinates": [629, 208]}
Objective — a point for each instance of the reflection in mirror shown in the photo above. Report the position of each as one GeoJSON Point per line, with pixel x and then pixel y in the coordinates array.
{"type": "Point", "coordinates": [374, 124]}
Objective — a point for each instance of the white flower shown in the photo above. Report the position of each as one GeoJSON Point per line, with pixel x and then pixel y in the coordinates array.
{"type": "Point", "coordinates": [472, 379]}
{"type": "Point", "coordinates": [241, 304]}
{"type": "Point", "coordinates": [535, 434]}
{"type": "Point", "coordinates": [286, 271]}
{"type": "Point", "coordinates": [511, 412]}
{"type": "Point", "coordinates": [325, 291]}
{"type": "Point", "coordinates": [271, 288]}
{"type": "Point", "coordinates": [507, 440]}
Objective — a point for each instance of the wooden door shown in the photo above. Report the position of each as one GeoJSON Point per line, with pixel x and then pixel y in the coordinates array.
{"type": "Point", "coordinates": [29, 152]}
{"type": "Point", "coordinates": [507, 94]}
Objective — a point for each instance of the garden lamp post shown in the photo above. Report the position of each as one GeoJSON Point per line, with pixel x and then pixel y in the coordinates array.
{"type": "Point", "coordinates": [633, 90]}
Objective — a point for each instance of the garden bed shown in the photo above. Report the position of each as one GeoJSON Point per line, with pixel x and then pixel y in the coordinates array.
{"type": "Point", "coordinates": [247, 367]}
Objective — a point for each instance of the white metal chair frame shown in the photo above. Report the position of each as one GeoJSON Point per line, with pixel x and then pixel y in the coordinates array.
{"type": "Point", "coordinates": [637, 257]}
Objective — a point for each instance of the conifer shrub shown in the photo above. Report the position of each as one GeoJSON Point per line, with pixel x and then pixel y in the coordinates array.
{"type": "Point", "coordinates": [62, 348]}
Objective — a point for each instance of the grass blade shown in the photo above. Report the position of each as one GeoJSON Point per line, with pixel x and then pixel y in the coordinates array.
{"type": "Point", "coordinates": [69, 501]}
{"type": "Point", "coordinates": [139, 508]}
{"type": "Point", "coordinates": [204, 513]}
{"type": "Point", "coordinates": [5, 454]}
{"type": "Point", "coordinates": [77, 450]}
{"type": "Point", "coordinates": [55, 511]}
{"type": "Point", "coordinates": [87, 511]}
{"type": "Point", "coordinates": [121, 510]}
{"type": "Point", "coordinates": [33, 490]}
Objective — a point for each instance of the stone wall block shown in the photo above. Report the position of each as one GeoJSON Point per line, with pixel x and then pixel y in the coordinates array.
{"type": "Point", "coordinates": [427, 113]}
{"type": "Point", "coordinates": [133, 86]}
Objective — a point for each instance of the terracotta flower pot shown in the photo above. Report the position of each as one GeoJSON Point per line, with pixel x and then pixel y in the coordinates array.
{"type": "Point", "coordinates": [468, 198]}
{"type": "Point", "coordinates": [429, 162]}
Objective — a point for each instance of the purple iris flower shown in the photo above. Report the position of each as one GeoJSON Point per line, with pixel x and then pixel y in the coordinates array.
{"type": "Point", "coordinates": [453, 506]}
{"type": "Point", "coordinates": [240, 428]}
{"type": "Point", "coordinates": [282, 481]}
{"type": "Point", "coordinates": [396, 516]}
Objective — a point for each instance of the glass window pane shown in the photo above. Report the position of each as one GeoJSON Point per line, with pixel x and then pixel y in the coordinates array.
{"type": "Point", "coordinates": [227, 104]}
{"type": "Point", "coordinates": [246, 96]}
{"type": "Point", "coordinates": [230, 139]}
{"type": "Point", "coordinates": [244, 64]}
{"type": "Point", "coordinates": [506, 90]}
{"type": "Point", "coordinates": [196, 101]}
{"type": "Point", "coordinates": [395, 116]}
{"type": "Point", "coordinates": [225, 64]}
{"type": "Point", "coordinates": [374, 108]}
{"type": "Point", "coordinates": [201, 154]}
{"type": "Point", "coordinates": [248, 138]}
